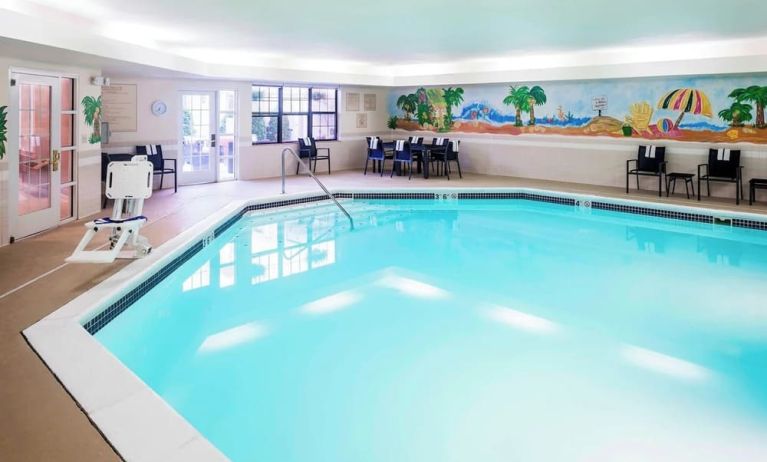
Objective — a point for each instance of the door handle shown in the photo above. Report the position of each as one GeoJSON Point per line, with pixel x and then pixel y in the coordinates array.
{"type": "Point", "coordinates": [55, 158]}
{"type": "Point", "coordinates": [213, 140]}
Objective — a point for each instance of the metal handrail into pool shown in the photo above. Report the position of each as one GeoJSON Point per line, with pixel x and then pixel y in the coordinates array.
{"type": "Point", "coordinates": [321, 185]}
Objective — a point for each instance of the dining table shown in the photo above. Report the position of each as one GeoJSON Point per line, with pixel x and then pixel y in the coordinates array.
{"type": "Point", "coordinates": [424, 156]}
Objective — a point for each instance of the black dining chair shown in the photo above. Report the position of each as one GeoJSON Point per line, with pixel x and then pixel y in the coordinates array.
{"type": "Point", "coordinates": [376, 153]}
{"type": "Point", "coordinates": [403, 155]}
{"type": "Point", "coordinates": [159, 163]}
{"type": "Point", "coordinates": [451, 155]}
{"type": "Point", "coordinates": [307, 149]}
{"type": "Point", "coordinates": [650, 161]}
{"type": "Point", "coordinates": [723, 166]}
{"type": "Point", "coordinates": [437, 152]}
{"type": "Point", "coordinates": [417, 148]}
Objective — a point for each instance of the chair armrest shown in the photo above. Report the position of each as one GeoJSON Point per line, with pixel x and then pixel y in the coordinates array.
{"type": "Point", "coordinates": [324, 149]}
{"type": "Point", "coordinates": [170, 160]}
{"type": "Point", "coordinates": [628, 164]}
{"type": "Point", "coordinates": [702, 165]}
{"type": "Point", "coordinates": [662, 166]}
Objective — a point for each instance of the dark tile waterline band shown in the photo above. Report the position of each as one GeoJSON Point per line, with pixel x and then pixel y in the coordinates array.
{"type": "Point", "coordinates": [115, 309]}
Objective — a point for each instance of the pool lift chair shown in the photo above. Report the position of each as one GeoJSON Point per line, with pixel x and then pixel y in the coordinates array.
{"type": "Point", "coordinates": [128, 183]}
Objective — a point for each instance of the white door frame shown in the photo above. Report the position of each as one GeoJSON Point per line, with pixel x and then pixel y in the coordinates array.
{"type": "Point", "coordinates": [211, 175]}
{"type": "Point", "coordinates": [41, 220]}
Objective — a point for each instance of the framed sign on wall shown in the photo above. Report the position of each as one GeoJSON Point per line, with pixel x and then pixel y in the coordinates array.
{"type": "Point", "coordinates": [352, 102]}
{"type": "Point", "coordinates": [119, 107]}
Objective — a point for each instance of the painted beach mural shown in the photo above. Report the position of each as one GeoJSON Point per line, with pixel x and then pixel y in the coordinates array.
{"type": "Point", "coordinates": [705, 109]}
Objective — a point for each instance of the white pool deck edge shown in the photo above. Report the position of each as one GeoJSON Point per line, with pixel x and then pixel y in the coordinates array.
{"type": "Point", "coordinates": [136, 421]}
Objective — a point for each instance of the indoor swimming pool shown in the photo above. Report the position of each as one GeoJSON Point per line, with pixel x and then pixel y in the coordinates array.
{"type": "Point", "coordinates": [461, 330]}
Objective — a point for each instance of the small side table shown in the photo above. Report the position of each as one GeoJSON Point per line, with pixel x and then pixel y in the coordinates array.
{"type": "Point", "coordinates": [754, 184]}
{"type": "Point", "coordinates": [671, 182]}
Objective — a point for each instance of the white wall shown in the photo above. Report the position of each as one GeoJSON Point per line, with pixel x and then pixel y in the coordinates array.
{"type": "Point", "coordinates": [88, 171]}
{"type": "Point", "coordinates": [255, 161]}
{"type": "Point", "coordinates": [589, 160]}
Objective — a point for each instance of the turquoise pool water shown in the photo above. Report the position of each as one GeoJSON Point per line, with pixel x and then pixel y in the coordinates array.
{"type": "Point", "coordinates": [463, 331]}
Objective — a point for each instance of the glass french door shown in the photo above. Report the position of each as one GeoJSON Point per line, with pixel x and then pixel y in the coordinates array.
{"type": "Point", "coordinates": [35, 122]}
{"type": "Point", "coordinates": [208, 136]}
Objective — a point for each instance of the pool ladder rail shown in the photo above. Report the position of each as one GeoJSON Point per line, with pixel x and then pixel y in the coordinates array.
{"type": "Point", "coordinates": [319, 183]}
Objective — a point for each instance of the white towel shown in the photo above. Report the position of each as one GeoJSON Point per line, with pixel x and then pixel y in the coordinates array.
{"type": "Point", "coordinates": [400, 145]}
{"type": "Point", "coordinates": [150, 150]}
{"type": "Point", "coordinates": [374, 143]}
{"type": "Point", "coordinates": [413, 140]}
{"type": "Point", "coordinates": [307, 141]}
{"type": "Point", "coordinates": [649, 152]}
{"type": "Point", "coordinates": [455, 145]}
{"type": "Point", "coordinates": [440, 141]}
{"type": "Point", "coordinates": [723, 155]}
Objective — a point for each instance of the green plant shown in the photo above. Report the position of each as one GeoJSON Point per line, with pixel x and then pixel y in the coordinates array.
{"type": "Point", "coordinates": [736, 114]}
{"type": "Point", "coordinates": [92, 112]}
{"type": "Point", "coordinates": [3, 130]}
{"type": "Point", "coordinates": [753, 94]}
{"type": "Point", "coordinates": [627, 130]}
{"type": "Point", "coordinates": [519, 97]}
{"type": "Point", "coordinates": [392, 123]}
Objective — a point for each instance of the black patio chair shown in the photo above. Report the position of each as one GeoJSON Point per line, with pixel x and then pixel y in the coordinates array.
{"type": "Point", "coordinates": [403, 155]}
{"type": "Point", "coordinates": [437, 152]}
{"type": "Point", "coordinates": [417, 148]}
{"type": "Point", "coordinates": [160, 164]}
{"type": "Point", "coordinates": [451, 155]}
{"type": "Point", "coordinates": [376, 153]}
{"type": "Point", "coordinates": [650, 161]}
{"type": "Point", "coordinates": [307, 149]}
{"type": "Point", "coordinates": [723, 166]}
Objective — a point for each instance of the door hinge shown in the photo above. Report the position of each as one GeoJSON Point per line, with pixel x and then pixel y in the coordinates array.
{"type": "Point", "coordinates": [13, 82]}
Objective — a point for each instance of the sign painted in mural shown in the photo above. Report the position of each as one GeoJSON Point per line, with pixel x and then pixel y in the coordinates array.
{"type": "Point", "coordinates": [703, 109]}
{"type": "Point", "coordinates": [599, 103]}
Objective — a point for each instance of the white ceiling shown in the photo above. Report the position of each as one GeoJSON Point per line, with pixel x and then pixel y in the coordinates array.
{"type": "Point", "coordinates": [412, 31]}
{"type": "Point", "coordinates": [401, 37]}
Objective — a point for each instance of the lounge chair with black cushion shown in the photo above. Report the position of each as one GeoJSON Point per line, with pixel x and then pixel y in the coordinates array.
{"type": "Point", "coordinates": [376, 153]}
{"type": "Point", "coordinates": [307, 149]}
{"type": "Point", "coordinates": [650, 161]}
{"type": "Point", "coordinates": [723, 166]}
{"type": "Point", "coordinates": [451, 155]}
{"type": "Point", "coordinates": [437, 152]}
{"type": "Point", "coordinates": [160, 164]}
{"type": "Point", "coordinates": [403, 155]}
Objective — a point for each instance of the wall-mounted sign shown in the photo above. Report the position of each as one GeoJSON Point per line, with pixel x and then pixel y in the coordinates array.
{"type": "Point", "coordinates": [370, 102]}
{"type": "Point", "coordinates": [352, 102]}
{"type": "Point", "coordinates": [119, 107]}
{"type": "Point", "coordinates": [362, 120]}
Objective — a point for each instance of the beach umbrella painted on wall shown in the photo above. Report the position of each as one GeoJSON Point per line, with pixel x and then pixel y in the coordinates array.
{"type": "Point", "coordinates": [686, 100]}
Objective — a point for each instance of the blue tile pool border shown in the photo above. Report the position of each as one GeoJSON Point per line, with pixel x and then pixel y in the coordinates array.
{"type": "Point", "coordinates": [104, 317]}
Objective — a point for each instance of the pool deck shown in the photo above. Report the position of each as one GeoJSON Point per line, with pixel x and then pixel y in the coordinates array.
{"type": "Point", "coordinates": [40, 421]}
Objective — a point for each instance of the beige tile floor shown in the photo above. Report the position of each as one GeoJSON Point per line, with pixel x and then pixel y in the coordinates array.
{"type": "Point", "coordinates": [38, 419]}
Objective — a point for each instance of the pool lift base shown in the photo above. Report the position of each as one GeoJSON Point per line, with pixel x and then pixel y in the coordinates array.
{"type": "Point", "coordinates": [128, 183]}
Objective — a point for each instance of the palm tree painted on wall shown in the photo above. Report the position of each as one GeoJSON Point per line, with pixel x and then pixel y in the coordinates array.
{"type": "Point", "coordinates": [92, 112]}
{"type": "Point", "coordinates": [736, 114]}
{"type": "Point", "coordinates": [536, 97]}
{"type": "Point", "coordinates": [753, 94]}
{"type": "Point", "coordinates": [519, 97]}
{"type": "Point", "coordinates": [453, 97]}
{"type": "Point", "coordinates": [423, 108]}
{"type": "Point", "coordinates": [408, 104]}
